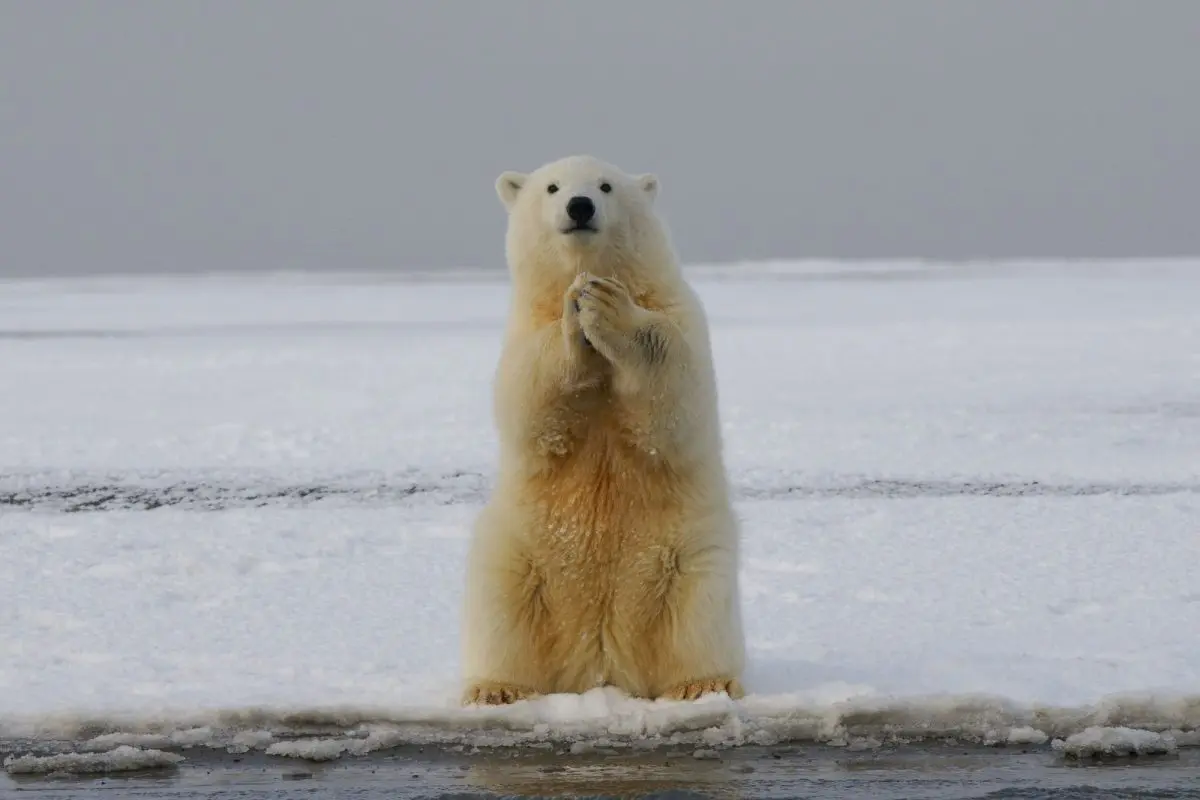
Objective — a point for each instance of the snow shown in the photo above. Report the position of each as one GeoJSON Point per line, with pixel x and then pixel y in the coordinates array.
{"type": "Point", "coordinates": [310, 749]}
{"type": "Point", "coordinates": [1097, 742]}
{"type": "Point", "coordinates": [120, 759]}
{"type": "Point", "coordinates": [234, 510]}
{"type": "Point", "coordinates": [1026, 735]}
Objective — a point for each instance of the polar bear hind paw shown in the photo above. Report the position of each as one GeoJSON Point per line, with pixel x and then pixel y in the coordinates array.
{"type": "Point", "coordinates": [695, 689]}
{"type": "Point", "coordinates": [492, 693]}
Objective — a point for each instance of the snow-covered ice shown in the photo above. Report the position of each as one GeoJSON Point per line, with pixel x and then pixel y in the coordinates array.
{"type": "Point", "coordinates": [1096, 742]}
{"type": "Point", "coordinates": [234, 510]}
{"type": "Point", "coordinates": [119, 759]}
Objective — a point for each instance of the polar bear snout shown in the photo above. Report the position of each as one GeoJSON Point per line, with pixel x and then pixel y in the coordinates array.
{"type": "Point", "coordinates": [581, 209]}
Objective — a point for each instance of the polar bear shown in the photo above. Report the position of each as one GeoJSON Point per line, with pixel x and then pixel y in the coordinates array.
{"type": "Point", "coordinates": [607, 554]}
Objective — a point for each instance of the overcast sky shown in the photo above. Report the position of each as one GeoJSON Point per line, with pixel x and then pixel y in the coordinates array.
{"type": "Point", "coordinates": [367, 134]}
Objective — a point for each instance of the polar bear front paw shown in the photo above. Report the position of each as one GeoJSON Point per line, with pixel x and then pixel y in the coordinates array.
{"type": "Point", "coordinates": [571, 328]}
{"type": "Point", "coordinates": [693, 690]}
{"type": "Point", "coordinates": [494, 693]}
{"type": "Point", "coordinates": [607, 313]}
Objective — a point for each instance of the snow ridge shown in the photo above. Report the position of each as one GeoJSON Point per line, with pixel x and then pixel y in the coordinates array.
{"type": "Point", "coordinates": [124, 492]}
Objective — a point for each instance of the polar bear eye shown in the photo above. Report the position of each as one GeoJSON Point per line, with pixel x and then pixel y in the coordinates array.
{"type": "Point", "coordinates": [552, 188]}
{"type": "Point", "coordinates": [606, 187]}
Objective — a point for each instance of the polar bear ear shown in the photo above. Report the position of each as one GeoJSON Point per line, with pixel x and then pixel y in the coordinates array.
{"type": "Point", "coordinates": [508, 186]}
{"type": "Point", "coordinates": [649, 185]}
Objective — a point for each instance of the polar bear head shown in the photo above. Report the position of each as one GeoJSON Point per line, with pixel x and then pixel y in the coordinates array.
{"type": "Point", "coordinates": [581, 214]}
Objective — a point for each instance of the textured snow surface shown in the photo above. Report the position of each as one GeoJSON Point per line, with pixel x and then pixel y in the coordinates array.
{"type": "Point", "coordinates": [1099, 742]}
{"type": "Point", "coordinates": [119, 759]}
{"type": "Point", "coordinates": [234, 511]}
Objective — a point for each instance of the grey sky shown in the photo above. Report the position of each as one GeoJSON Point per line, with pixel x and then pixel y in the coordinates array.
{"type": "Point", "coordinates": [297, 134]}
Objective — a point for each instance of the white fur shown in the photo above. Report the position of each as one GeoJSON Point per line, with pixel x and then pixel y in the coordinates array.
{"type": "Point", "coordinates": [608, 552]}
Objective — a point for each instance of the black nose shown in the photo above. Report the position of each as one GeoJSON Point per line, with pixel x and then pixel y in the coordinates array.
{"type": "Point", "coordinates": [581, 210]}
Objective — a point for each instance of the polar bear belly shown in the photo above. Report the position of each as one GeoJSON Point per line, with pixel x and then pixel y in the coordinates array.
{"type": "Point", "coordinates": [608, 524]}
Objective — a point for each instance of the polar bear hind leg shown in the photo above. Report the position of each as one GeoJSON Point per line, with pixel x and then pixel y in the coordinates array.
{"type": "Point", "coordinates": [681, 638]}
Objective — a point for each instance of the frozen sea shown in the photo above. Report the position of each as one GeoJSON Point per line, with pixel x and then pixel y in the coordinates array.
{"type": "Point", "coordinates": [234, 513]}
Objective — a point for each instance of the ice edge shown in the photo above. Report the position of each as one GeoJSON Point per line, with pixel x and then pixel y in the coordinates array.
{"type": "Point", "coordinates": [605, 717]}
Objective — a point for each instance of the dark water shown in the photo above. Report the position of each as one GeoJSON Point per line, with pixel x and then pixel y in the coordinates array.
{"type": "Point", "coordinates": [935, 772]}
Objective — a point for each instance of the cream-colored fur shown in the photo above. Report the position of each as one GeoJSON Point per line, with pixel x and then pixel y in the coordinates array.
{"type": "Point", "coordinates": [608, 551]}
